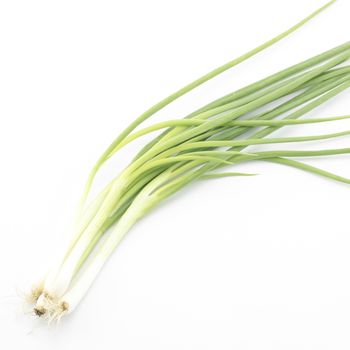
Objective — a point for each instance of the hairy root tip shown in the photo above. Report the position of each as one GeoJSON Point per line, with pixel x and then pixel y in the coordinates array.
{"type": "Point", "coordinates": [39, 311]}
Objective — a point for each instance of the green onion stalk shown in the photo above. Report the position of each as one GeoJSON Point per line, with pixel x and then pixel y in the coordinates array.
{"type": "Point", "coordinates": [195, 148]}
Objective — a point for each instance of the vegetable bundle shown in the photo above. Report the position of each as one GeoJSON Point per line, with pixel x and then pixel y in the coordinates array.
{"type": "Point", "coordinates": [192, 148]}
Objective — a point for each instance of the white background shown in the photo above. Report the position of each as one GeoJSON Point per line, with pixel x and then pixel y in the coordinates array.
{"type": "Point", "coordinates": [239, 263]}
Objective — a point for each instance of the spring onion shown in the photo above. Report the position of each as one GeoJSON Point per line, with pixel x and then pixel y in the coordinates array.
{"type": "Point", "coordinates": [195, 148]}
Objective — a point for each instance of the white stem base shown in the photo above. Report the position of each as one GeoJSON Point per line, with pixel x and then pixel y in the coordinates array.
{"type": "Point", "coordinates": [77, 292]}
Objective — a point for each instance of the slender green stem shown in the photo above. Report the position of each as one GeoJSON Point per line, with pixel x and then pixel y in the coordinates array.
{"type": "Point", "coordinates": [151, 111]}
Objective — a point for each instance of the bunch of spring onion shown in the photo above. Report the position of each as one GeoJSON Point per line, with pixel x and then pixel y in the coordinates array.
{"type": "Point", "coordinates": [192, 148]}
